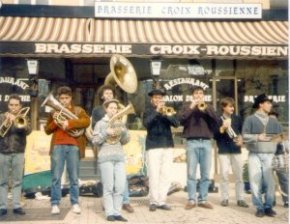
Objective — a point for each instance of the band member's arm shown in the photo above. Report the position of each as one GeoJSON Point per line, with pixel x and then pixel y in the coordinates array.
{"type": "Point", "coordinates": [83, 121]}
{"type": "Point", "coordinates": [149, 117]}
{"type": "Point", "coordinates": [185, 114]}
{"type": "Point", "coordinates": [172, 120]}
{"type": "Point", "coordinates": [248, 136]}
{"type": "Point", "coordinates": [50, 126]}
{"type": "Point", "coordinates": [100, 134]}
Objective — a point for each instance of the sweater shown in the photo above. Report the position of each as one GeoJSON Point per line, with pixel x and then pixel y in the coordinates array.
{"type": "Point", "coordinates": [198, 124]}
{"type": "Point", "coordinates": [107, 151]}
{"type": "Point", "coordinates": [255, 125]}
{"type": "Point", "coordinates": [158, 129]}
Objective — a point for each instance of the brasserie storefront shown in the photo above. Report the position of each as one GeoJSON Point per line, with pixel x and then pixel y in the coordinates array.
{"type": "Point", "coordinates": [240, 58]}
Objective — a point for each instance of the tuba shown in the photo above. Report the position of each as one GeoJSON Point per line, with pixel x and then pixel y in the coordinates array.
{"type": "Point", "coordinates": [122, 73]}
{"type": "Point", "coordinates": [64, 114]}
{"type": "Point", "coordinates": [117, 124]}
{"type": "Point", "coordinates": [20, 121]}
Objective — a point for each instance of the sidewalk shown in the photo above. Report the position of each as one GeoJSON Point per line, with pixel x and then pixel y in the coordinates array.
{"type": "Point", "coordinates": [39, 211]}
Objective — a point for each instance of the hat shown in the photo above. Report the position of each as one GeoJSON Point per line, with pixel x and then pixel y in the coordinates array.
{"type": "Point", "coordinates": [260, 99]}
{"type": "Point", "coordinates": [157, 92]}
{"type": "Point", "coordinates": [107, 102]}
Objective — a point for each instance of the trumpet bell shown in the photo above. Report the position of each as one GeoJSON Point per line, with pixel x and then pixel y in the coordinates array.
{"type": "Point", "coordinates": [122, 73]}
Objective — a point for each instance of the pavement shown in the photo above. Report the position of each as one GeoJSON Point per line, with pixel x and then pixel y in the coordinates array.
{"type": "Point", "coordinates": [38, 211]}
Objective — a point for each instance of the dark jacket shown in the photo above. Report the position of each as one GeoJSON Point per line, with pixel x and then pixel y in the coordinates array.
{"type": "Point", "coordinates": [15, 139]}
{"type": "Point", "coordinates": [97, 114]}
{"type": "Point", "coordinates": [158, 129]}
{"type": "Point", "coordinates": [224, 142]}
{"type": "Point", "coordinates": [82, 122]}
{"type": "Point", "coordinates": [196, 123]}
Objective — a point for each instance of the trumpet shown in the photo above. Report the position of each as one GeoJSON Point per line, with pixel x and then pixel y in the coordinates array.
{"type": "Point", "coordinates": [202, 106]}
{"type": "Point", "coordinates": [232, 134]}
{"type": "Point", "coordinates": [168, 111]}
{"type": "Point", "coordinates": [20, 122]}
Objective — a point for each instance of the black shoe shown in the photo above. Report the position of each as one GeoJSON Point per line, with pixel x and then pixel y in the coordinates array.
{"type": "Point", "coordinates": [286, 205]}
{"type": "Point", "coordinates": [260, 213]}
{"type": "Point", "coordinates": [120, 218]}
{"type": "Point", "coordinates": [164, 207]}
{"type": "Point", "coordinates": [270, 212]}
{"type": "Point", "coordinates": [242, 203]}
{"type": "Point", "coordinates": [111, 218]}
{"type": "Point", "coordinates": [3, 211]}
{"type": "Point", "coordinates": [18, 211]}
{"type": "Point", "coordinates": [152, 208]}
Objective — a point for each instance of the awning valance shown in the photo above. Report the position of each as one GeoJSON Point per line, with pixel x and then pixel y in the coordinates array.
{"type": "Point", "coordinates": [88, 36]}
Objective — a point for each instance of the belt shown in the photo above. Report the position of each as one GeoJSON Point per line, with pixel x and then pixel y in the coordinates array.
{"type": "Point", "coordinates": [197, 138]}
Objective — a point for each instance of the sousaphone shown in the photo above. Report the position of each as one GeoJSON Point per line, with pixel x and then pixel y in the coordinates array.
{"type": "Point", "coordinates": [122, 73]}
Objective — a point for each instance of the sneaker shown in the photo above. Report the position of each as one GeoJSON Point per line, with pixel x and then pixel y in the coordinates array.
{"type": "Point", "coordinates": [225, 203]}
{"type": "Point", "coordinates": [242, 203]}
{"type": "Point", "coordinates": [55, 210]}
{"type": "Point", "coordinates": [120, 218]}
{"type": "Point", "coordinates": [270, 212]}
{"type": "Point", "coordinates": [19, 211]}
{"type": "Point", "coordinates": [260, 213]}
{"type": "Point", "coordinates": [152, 207]}
{"type": "Point", "coordinates": [205, 204]}
{"type": "Point", "coordinates": [128, 208]}
{"type": "Point", "coordinates": [3, 211]}
{"type": "Point", "coordinates": [76, 209]}
{"type": "Point", "coordinates": [164, 207]}
{"type": "Point", "coordinates": [111, 218]}
{"type": "Point", "coordinates": [190, 205]}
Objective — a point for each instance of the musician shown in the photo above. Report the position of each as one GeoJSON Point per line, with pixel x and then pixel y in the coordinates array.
{"type": "Point", "coordinates": [109, 138]}
{"type": "Point", "coordinates": [105, 93]}
{"type": "Point", "coordinates": [258, 130]}
{"type": "Point", "coordinates": [199, 121]}
{"type": "Point", "coordinates": [12, 148]}
{"type": "Point", "coordinates": [159, 149]}
{"type": "Point", "coordinates": [66, 149]}
{"type": "Point", "coordinates": [229, 142]}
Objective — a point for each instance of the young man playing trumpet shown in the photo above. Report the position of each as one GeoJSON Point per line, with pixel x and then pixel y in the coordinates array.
{"type": "Point", "coordinates": [229, 142]}
{"type": "Point", "coordinates": [12, 147]}
{"type": "Point", "coordinates": [66, 148]}
{"type": "Point", "coordinates": [159, 149]}
{"type": "Point", "coordinates": [199, 121]}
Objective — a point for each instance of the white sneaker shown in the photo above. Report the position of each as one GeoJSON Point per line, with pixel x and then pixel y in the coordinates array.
{"type": "Point", "coordinates": [76, 209]}
{"type": "Point", "coordinates": [55, 210]}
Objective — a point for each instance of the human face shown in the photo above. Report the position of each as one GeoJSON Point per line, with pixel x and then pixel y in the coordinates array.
{"type": "Point", "coordinates": [156, 100]}
{"type": "Point", "coordinates": [229, 109]}
{"type": "Point", "coordinates": [108, 95]}
{"type": "Point", "coordinates": [14, 106]}
{"type": "Point", "coordinates": [198, 95]}
{"type": "Point", "coordinates": [112, 109]}
{"type": "Point", "coordinates": [65, 100]}
{"type": "Point", "coordinates": [266, 106]}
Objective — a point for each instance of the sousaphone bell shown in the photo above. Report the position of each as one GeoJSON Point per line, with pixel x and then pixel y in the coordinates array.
{"type": "Point", "coordinates": [122, 73]}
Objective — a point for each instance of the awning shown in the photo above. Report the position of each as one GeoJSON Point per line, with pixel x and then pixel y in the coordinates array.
{"type": "Point", "coordinates": [88, 36]}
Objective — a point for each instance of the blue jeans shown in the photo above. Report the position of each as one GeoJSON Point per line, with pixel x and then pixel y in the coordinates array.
{"type": "Point", "coordinates": [15, 162]}
{"type": "Point", "coordinates": [261, 175]}
{"type": "Point", "coordinates": [198, 151]}
{"type": "Point", "coordinates": [283, 178]}
{"type": "Point", "coordinates": [113, 176]}
{"type": "Point", "coordinates": [126, 195]}
{"type": "Point", "coordinates": [60, 155]}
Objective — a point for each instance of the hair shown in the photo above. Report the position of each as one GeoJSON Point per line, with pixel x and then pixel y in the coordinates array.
{"type": "Point", "coordinates": [197, 88]}
{"type": "Point", "coordinates": [227, 101]}
{"type": "Point", "coordinates": [102, 89]}
{"type": "Point", "coordinates": [64, 90]}
{"type": "Point", "coordinates": [14, 97]}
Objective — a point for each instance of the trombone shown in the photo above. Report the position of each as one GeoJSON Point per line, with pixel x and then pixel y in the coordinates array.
{"type": "Point", "coordinates": [230, 131]}
{"type": "Point", "coordinates": [19, 122]}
